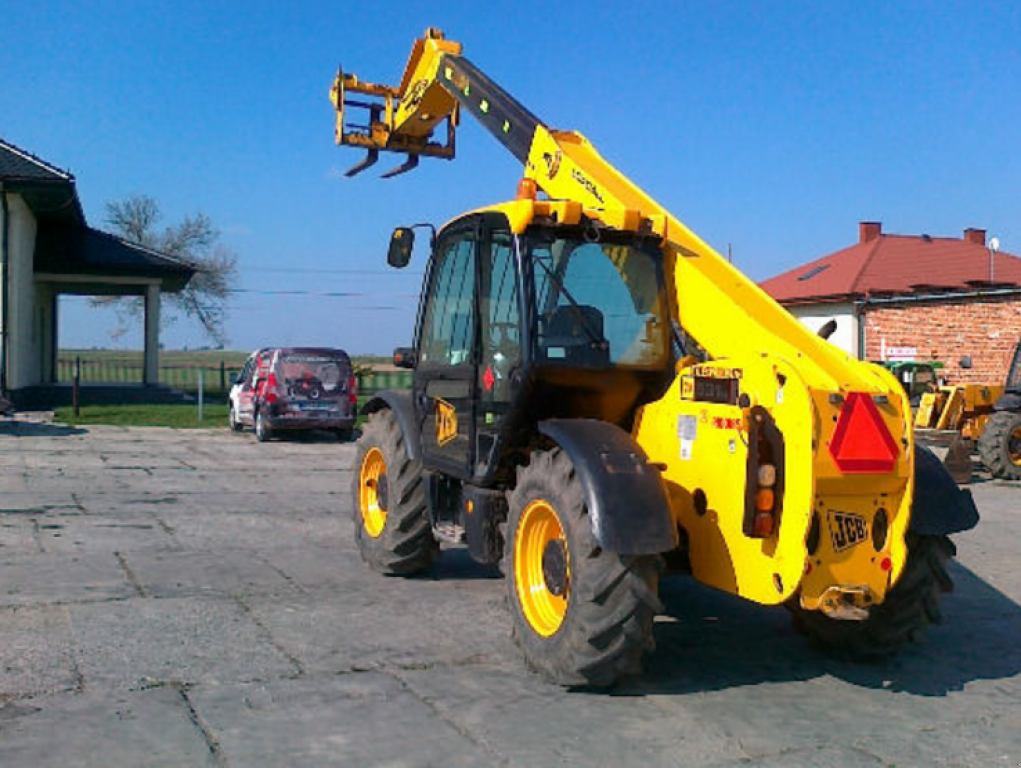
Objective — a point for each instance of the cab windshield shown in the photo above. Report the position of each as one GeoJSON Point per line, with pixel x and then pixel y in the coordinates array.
{"type": "Point", "coordinates": [598, 304]}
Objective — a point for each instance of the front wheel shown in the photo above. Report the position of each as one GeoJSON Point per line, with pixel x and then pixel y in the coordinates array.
{"type": "Point", "coordinates": [999, 447]}
{"type": "Point", "coordinates": [911, 606]}
{"type": "Point", "coordinates": [232, 419]}
{"type": "Point", "coordinates": [581, 615]}
{"type": "Point", "coordinates": [392, 526]}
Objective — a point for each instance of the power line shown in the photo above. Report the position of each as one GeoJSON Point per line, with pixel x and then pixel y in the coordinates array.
{"type": "Point", "coordinates": [330, 271]}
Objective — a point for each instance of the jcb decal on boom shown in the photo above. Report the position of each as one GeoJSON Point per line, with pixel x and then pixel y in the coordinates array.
{"type": "Point", "coordinates": [846, 529]}
{"type": "Point", "coordinates": [587, 183]}
{"type": "Point", "coordinates": [446, 422]}
{"type": "Point", "coordinates": [552, 163]}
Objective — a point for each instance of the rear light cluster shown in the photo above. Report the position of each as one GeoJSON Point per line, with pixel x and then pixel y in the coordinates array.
{"type": "Point", "coordinates": [764, 480]}
{"type": "Point", "coordinates": [272, 388]}
{"type": "Point", "coordinates": [765, 502]}
{"type": "Point", "coordinates": [352, 390]}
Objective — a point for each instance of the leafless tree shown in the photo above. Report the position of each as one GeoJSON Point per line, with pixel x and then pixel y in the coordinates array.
{"type": "Point", "coordinates": [196, 240]}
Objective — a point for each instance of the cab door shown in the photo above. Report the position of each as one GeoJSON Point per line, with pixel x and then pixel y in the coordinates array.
{"type": "Point", "coordinates": [445, 380]}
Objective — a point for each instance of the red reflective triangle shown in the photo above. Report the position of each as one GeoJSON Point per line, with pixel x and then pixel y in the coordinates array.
{"type": "Point", "coordinates": [861, 442]}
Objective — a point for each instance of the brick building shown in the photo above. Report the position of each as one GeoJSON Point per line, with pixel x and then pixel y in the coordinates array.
{"type": "Point", "coordinates": [914, 297]}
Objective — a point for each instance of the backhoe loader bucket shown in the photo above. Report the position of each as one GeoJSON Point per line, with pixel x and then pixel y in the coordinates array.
{"type": "Point", "coordinates": [958, 460]}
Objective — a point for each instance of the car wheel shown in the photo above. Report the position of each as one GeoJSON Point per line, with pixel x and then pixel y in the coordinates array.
{"type": "Point", "coordinates": [232, 419]}
{"type": "Point", "coordinates": [262, 430]}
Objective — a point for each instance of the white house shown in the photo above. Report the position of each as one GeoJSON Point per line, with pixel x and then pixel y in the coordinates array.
{"type": "Point", "coordinates": [46, 250]}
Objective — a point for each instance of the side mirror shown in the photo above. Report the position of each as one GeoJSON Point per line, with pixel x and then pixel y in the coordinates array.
{"type": "Point", "coordinates": [405, 357]}
{"type": "Point", "coordinates": [965, 362]}
{"type": "Point", "coordinates": [399, 254]}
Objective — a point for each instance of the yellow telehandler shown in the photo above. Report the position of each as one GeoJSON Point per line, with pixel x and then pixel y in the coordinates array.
{"type": "Point", "coordinates": [598, 393]}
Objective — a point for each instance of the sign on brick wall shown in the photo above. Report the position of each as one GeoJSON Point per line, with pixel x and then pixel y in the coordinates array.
{"type": "Point", "coordinates": [901, 354]}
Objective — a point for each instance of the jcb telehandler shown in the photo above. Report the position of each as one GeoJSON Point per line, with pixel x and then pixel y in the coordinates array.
{"type": "Point", "coordinates": [597, 393]}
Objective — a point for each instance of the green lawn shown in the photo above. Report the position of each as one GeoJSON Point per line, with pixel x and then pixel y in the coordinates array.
{"type": "Point", "coordinates": [180, 416]}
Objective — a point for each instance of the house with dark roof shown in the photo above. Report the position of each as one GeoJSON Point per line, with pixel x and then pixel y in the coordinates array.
{"type": "Point", "coordinates": [47, 249]}
{"type": "Point", "coordinates": [914, 297]}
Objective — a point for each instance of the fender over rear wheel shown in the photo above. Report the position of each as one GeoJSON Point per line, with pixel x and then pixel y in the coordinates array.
{"type": "Point", "coordinates": [581, 615]}
{"type": "Point", "coordinates": [392, 526]}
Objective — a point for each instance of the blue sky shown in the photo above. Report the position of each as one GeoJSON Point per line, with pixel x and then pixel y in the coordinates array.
{"type": "Point", "coordinates": [771, 128]}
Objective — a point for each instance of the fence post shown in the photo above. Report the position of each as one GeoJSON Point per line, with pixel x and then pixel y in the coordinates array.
{"type": "Point", "coordinates": [75, 386]}
{"type": "Point", "coordinates": [200, 382]}
{"type": "Point", "coordinates": [223, 377]}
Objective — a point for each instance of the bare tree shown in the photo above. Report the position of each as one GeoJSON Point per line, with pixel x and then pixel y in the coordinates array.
{"type": "Point", "coordinates": [196, 240]}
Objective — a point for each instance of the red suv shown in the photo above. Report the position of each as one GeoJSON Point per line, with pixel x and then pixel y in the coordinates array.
{"type": "Point", "coordinates": [295, 388]}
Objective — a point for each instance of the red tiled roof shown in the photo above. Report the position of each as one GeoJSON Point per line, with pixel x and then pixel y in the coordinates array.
{"type": "Point", "coordinates": [894, 264]}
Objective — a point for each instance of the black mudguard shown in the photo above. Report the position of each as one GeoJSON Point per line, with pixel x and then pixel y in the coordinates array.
{"type": "Point", "coordinates": [400, 402]}
{"type": "Point", "coordinates": [940, 507]}
{"type": "Point", "coordinates": [626, 500]}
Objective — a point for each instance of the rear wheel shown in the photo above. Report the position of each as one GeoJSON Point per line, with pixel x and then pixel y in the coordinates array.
{"type": "Point", "coordinates": [262, 429]}
{"type": "Point", "coordinates": [582, 615]}
{"type": "Point", "coordinates": [391, 521]}
{"type": "Point", "coordinates": [911, 606]}
{"type": "Point", "coordinates": [999, 447]}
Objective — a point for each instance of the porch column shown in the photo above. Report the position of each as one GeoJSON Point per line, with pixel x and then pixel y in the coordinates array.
{"type": "Point", "coordinates": [151, 373]}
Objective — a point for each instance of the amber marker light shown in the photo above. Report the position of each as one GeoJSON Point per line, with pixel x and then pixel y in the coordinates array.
{"type": "Point", "coordinates": [527, 189]}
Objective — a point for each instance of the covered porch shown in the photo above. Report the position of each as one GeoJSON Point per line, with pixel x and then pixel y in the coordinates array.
{"type": "Point", "coordinates": [47, 250]}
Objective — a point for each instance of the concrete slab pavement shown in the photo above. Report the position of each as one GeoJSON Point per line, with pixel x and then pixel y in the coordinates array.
{"type": "Point", "coordinates": [174, 597]}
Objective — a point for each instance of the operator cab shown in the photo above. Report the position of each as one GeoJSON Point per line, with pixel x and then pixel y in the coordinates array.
{"type": "Point", "coordinates": [556, 321]}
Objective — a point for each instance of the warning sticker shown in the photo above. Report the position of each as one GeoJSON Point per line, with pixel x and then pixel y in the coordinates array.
{"type": "Point", "coordinates": [687, 431]}
{"type": "Point", "coordinates": [687, 427]}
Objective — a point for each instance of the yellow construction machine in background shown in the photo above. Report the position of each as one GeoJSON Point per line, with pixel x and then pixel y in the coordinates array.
{"type": "Point", "coordinates": [954, 417]}
{"type": "Point", "coordinates": [961, 408]}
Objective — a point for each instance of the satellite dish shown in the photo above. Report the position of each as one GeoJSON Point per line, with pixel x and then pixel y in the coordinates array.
{"type": "Point", "coordinates": [994, 244]}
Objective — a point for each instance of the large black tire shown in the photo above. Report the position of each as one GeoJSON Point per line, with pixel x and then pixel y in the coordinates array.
{"type": "Point", "coordinates": [911, 606]}
{"type": "Point", "coordinates": [586, 619]}
{"type": "Point", "coordinates": [392, 526]}
{"type": "Point", "coordinates": [999, 447]}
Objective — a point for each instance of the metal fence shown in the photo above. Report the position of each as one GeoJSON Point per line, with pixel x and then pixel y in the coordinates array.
{"type": "Point", "coordinates": [216, 377]}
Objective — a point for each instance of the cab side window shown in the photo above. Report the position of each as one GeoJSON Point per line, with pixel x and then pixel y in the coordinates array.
{"type": "Point", "coordinates": [501, 342]}
{"type": "Point", "coordinates": [449, 324]}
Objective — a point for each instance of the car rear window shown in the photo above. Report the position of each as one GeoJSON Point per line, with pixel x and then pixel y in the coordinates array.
{"type": "Point", "coordinates": [305, 373]}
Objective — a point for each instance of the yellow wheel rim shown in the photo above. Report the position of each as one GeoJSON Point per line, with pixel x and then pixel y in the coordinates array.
{"type": "Point", "coordinates": [373, 512]}
{"type": "Point", "coordinates": [538, 527]}
{"type": "Point", "coordinates": [1014, 446]}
